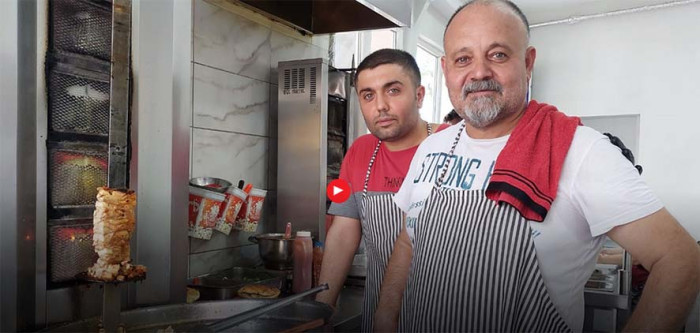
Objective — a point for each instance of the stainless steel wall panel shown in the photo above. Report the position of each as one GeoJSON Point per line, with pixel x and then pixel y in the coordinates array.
{"type": "Point", "coordinates": [18, 164]}
{"type": "Point", "coordinates": [302, 145]}
{"type": "Point", "coordinates": [161, 113]}
{"type": "Point", "coordinates": [8, 165]}
{"type": "Point", "coordinates": [41, 164]}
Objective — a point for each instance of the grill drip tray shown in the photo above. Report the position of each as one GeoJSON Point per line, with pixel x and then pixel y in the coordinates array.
{"type": "Point", "coordinates": [193, 317]}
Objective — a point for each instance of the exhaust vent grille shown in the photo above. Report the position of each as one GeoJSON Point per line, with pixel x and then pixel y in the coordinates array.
{"type": "Point", "coordinates": [294, 81]}
{"type": "Point", "coordinates": [287, 80]}
{"type": "Point", "coordinates": [312, 83]}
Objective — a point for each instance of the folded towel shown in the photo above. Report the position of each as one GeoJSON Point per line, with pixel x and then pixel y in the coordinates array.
{"type": "Point", "coordinates": [527, 170]}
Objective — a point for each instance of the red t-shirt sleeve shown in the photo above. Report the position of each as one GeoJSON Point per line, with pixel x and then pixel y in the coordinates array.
{"type": "Point", "coordinates": [353, 170]}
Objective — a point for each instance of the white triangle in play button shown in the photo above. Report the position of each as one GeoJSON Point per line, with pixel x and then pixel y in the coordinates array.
{"type": "Point", "coordinates": [337, 190]}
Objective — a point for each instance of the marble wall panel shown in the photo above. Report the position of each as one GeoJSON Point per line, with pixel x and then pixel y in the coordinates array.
{"type": "Point", "coordinates": [220, 241]}
{"type": "Point", "coordinates": [230, 156]}
{"type": "Point", "coordinates": [230, 42]}
{"type": "Point", "coordinates": [230, 102]}
{"type": "Point", "coordinates": [214, 261]}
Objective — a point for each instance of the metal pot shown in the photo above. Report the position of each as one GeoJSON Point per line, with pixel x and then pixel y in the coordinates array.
{"type": "Point", "coordinates": [211, 183]}
{"type": "Point", "coordinates": [275, 251]}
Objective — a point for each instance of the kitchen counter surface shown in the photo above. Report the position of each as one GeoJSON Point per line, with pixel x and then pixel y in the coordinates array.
{"type": "Point", "coordinates": [348, 314]}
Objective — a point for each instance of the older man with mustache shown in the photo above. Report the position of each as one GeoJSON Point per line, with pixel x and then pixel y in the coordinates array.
{"type": "Point", "coordinates": [505, 213]}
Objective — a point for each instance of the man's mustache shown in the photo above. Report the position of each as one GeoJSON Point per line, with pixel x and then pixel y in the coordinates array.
{"type": "Point", "coordinates": [484, 85]}
{"type": "Point", "coordinates": [384, 116]}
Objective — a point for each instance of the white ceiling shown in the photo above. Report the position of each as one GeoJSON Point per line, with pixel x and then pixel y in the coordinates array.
{"type": "Point", "coordinates": [538, 11]}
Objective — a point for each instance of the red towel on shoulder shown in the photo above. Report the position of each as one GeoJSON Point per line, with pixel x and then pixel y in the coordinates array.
{"type": "Point", "coordinates": [527, 170]}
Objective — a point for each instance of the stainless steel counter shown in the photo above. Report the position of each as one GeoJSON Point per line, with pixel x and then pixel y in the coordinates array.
{"type": "Point", "coordinates": [348, 314]}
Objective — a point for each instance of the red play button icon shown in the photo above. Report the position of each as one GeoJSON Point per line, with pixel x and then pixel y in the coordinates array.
{"type": "Point", "coordinates": [338, 191]}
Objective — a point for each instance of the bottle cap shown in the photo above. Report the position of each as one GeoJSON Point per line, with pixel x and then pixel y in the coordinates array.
{"type": "Point", "coordinates": [303, 233]}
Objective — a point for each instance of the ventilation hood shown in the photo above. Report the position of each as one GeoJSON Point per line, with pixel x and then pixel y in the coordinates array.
{"type": "Point", "coordinates": [329, 16]}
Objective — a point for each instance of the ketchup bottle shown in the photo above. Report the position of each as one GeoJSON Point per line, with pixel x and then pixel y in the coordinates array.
{"type": "Point", "coordinates": [303, 258]}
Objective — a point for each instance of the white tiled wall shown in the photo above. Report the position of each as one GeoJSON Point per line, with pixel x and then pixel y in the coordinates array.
{"type": "Point", "coordinates": [235, 115]}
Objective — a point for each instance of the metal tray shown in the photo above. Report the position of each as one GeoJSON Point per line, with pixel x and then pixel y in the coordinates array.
{"type": "Point", "coordinates": [225, 284]}
{"type": "Point", "coordinates": [194, 317]}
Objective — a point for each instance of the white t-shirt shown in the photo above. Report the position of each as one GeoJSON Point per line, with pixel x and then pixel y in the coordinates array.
{"type": "Point", "coordinates": [599, 189]}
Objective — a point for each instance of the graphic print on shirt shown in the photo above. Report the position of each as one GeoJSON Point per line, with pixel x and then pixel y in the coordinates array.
{"type": "Point", "coordinates": [393, 182]}
{"type": "Point", "coordinates": [464, 172]}
{"type": "Point", "coordinates": [461, 173]}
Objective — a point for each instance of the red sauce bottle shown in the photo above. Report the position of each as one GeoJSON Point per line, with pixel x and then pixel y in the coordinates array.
{"type": "Point", "coordinates": [303, 258]}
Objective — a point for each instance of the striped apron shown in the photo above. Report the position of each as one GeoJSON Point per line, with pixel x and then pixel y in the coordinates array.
{"type": "Point", "coordinates": [474, 268]}
{"type": "Point", "coordinates": [381, 223]}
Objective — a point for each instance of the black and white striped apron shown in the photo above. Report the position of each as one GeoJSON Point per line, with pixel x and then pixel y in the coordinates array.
{"type": "Point", "coordinates": [474, 268]}
{"type": "Point", "coordinates": [381, 224]}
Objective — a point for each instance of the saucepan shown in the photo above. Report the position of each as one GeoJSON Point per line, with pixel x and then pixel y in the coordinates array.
{"type": "Point", "coordinates": [276, 251]}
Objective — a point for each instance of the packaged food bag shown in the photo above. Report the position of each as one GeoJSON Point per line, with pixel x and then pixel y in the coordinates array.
{"type": "Point", "coordinates": [203, 212]}
{"type": "Point", "coordinates": [235, 198]}
{"type": "Point", "coordinates": [240, 221]}
{"type": "Point", "coordinates": [254, 205]}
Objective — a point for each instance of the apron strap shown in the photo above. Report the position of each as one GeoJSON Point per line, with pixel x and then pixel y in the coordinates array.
{"type": "Point", "coordinates": [371, 162]}
{"type": "Point", "coordinates": [438, 182]}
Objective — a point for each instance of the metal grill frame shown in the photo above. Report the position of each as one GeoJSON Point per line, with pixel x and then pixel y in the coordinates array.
{"type": "Point", "coordinates": [83, 210]}
{"type": "Point", "coordinates": [82, 68]}
{"type": "Point", "coordinates": [94, 40]}
{"type": "Point", "coordinates": [93, 115]}
{"type": "Point", "coordinates": [62, 266]}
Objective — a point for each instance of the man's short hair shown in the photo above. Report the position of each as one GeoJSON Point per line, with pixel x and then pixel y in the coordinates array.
{"type": "Point", "coordinates": [391, 56]}
{"type": "Point", "coordinates": [451, 116]}
{"type": "Point", "coordinates": [504, 4]}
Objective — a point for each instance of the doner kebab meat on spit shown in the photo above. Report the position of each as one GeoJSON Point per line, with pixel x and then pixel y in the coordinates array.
{"type": "Point", "coordinates": [114, 222]}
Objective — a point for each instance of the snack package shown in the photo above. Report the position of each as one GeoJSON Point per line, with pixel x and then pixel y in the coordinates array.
{"type": "Point", "coordinates": [196, 196]}
{"type": "Point", "coordinates": [235, 198]}
{"type": "Point", "coordinates": [203, 212]}
{"type": "Point", "coordinates": [254, 205]}
{"type": "Point", "coordinates": [240, 221]}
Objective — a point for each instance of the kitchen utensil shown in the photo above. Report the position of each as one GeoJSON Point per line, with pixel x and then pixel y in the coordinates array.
{"type": "Point", "coordinates": [245, 316]}
{"type": "Point", "coordinates": [276, 251]}
{"type": "Point", "coordinates": [211, 183]}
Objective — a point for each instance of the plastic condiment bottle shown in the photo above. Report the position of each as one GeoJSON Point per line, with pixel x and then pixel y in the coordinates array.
{"type": "Point", "coordinates": [317, 262]}
{"type": "Point", "coordinates": [288, 231]}
{"type": "Point", "coordinates": [303, 258]}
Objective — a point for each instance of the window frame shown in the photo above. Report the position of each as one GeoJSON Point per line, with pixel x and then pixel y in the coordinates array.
{"type": "Point", "coordinates": [435, 50]}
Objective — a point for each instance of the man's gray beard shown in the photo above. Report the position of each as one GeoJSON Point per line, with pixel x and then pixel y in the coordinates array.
{"type": "Point", "coordinates": [483, 112]}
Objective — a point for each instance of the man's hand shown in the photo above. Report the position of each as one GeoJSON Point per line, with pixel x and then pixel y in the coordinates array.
{"type": "Point", "coordinates": [342, 241]}
{"type": "Point", "coordinates": [391, 294]}
{"type": "Point", "coordinates": [672, 257]}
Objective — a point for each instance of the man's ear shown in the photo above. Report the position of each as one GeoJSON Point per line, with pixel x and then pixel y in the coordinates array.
{"type": "Point", "coordinates": [530, 55]}
{"type": "Point", "coordinates": [420, 94]}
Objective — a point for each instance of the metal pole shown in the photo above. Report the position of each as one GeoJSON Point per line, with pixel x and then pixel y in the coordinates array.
{"type": "Point", "coordinates": [111, 307]}
{"type": "Point", "coordinates": [119, 95]}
